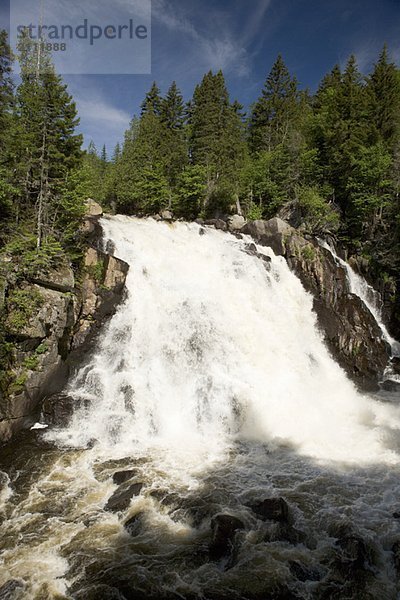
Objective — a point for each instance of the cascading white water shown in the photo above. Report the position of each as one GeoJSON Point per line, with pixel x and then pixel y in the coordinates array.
{"type": "Point", "coordinates": [213, 386]}
{"type": "Point", "coordinates": [210, 347]}
{"type": "Point", "coordinates": [371, 298]}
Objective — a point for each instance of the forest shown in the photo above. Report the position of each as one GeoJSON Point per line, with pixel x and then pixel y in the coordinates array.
{"type": "Point", "coordinates": [328, 162]}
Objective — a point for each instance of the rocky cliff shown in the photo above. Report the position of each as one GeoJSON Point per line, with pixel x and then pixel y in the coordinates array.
{"type": "Point", "coordinates": [349, 328]}
{"type": "Point", "coordinates": [51, 322]}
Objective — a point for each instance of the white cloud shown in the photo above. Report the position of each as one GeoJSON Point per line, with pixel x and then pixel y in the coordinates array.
{"type": "Point", "coordinates": [100, 112]}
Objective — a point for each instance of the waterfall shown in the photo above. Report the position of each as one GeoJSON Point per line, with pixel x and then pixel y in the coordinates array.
{"type": "Point", "coordinates": [371, 298]}
{"type": "Point", "coordinates": [214, 345]}
{"type": "Point", "coordinates": [209, 391]}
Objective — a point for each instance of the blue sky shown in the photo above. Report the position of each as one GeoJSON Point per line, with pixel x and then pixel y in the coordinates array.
{"type": "Point", "coordinates": [243, 38]}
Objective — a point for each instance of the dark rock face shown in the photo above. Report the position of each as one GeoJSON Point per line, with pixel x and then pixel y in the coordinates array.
{"type": "Point", "coordinates": [274, 509]}
{"type": "Point", "coordinates": [58, 409]}
{"type": "Point", "coordinates": [121, 477]}
{"type": "Point", "coordinates": [122, 496]}
{"type": "Point", "coordinates": [217, 223]}
{"type": "Point", "coordinates": [351, 332]}
{"type": "Point", "coordinates": [59, 332]}
{"type": "Point", "coordinates": [224, 528]}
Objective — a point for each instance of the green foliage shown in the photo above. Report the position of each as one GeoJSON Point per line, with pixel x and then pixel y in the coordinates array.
{"type": "Point", "coordinates": [41, 349]}
{"type": "Point", "coordinates": [18, 384]}
{"type": "Point", "coordinates": [30, 260]}
{"type": "Point", "coordinates": [190, 191]}
{"type": "Point", "coordinates": [22, 304]}
{"type": "Point", "coordinates": [31, 363]}
{"type": "Point", "coordinates": [96, 271]}
{"type": "Point", "coordinates": [318, 215]}
{"type": "Point", "coordinates": [254, 212]}
{"type": "Point", "coordinates": [308, 253]}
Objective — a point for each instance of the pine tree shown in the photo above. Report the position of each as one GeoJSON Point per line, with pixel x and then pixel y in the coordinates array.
{"type": "Point", "coordinates": [276, 111]}
{"type": "Point", "coordinates": [104, 154]}
{"type": "Point", "coordinates": [216, 141]}
{"type": "Point", "coordinates": [384, 87]}
{"type": "Point", "coordinates": [142, 186]}
{"type": "Point", "coordinates": [117, 153]}
{"type": "Point", "coordinates": [172, 118]}
{"type": "Point", "coordinates": [172, 109]}
{"type": "Point", "coordinates": [49, 147]}
{"type": "Point", "coordinates": [152, 101]}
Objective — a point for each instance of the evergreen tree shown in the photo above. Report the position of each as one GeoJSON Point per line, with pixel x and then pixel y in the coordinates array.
{"type": "Point", "coordinates": [104, 154]}
{"type": "Point", "coordinates": [7, 189]}
{"type": "Point", "coordinates": [172, 109]}
{"type": "Point", "coordinates": [276, 111]}
{"type": "Point", "coordinates": [384, 87]}
{"type": "Point", "coordinates": [48, 145]}
{"type": "Point", "coordinates": [216, 140]}
{"type": "Point", "coordinates": [117, 153]}
{"type": "Point", "coordinates": [152, 102]}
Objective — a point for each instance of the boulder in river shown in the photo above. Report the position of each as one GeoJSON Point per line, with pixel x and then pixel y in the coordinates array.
{"type": "Point", "coordinates": [58, 409]}
{"type": "Point", "coordinates": [274, 509]}
{"type": "Point", "coordinates": [121, 477]}
{"type": "Point", "coordinates": [224, 528]}
{"type": "Point", "coordinates": [236, 222]}
{"type": "Point", "coordinates": [122, 496]}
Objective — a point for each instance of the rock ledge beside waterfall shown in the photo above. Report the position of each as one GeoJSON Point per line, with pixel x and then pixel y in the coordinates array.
{"type": "Point", "coordinates": [62, 327]}
{"type": "Point", "coordinates": [350, 330]}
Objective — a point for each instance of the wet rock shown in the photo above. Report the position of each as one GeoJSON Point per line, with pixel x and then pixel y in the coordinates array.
{"type": "Point", "coordinates": [272, 233]}
{"type": "Point", "coordinates": [395, 362]}
{"type": "Point", "coordinates": [390, 386]}
{"type": "Point", "coordinates": [122, 496]}
{"type": "Point", "coordinates": [217, 223]}
{"type": "Point", "coordinates": [236, 222]}
{"type": "Point", "coordinates": [121, 477]}
{"type": "Point", "coordinates": [57, 410]}
{"type": "Point", "coordinates": [224, 528]}
{"type": "Point", "coordinates": [274, 509]}
{"type": "Point", "coordinates": [303, 572]}
{"type": "Point", "coordinates": [102, 290]}
{"type": "Point", "coordinates": [166, 215]}
{"type": "Point", "coordinates": [7, 589]}
{"type": "Point", "coordinates": [202, 231]}
{"type": "Point", "coordinates": [132, 525]}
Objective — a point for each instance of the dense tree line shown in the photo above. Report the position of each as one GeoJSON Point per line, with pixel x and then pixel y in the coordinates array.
{"type": "Point", "coordinates": [329, 162]}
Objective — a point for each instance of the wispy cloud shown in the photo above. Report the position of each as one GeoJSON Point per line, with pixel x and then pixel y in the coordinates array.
{"type": "Point", "coordinates": [255, 21]}
{"type": "Point", "coordinates": [219, 46]}
{"type": "Point", "coordinates": [100, 118]}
